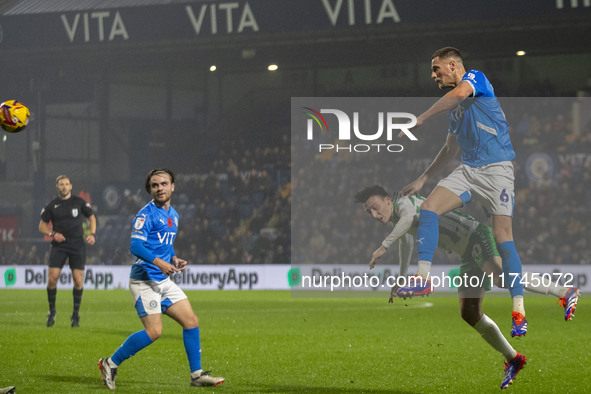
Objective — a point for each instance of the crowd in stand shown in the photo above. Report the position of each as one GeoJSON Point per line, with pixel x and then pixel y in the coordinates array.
{"type": "Point", "coordinates": [553, 209]}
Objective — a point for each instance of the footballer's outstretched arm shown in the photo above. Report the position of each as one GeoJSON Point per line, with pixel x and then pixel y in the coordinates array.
{"type": "Point", "coordinates": [404, 224]}
{"type": "Point", "coordinates": [449, 150]}
{"type": "Point", "coordinates": [448, 102]}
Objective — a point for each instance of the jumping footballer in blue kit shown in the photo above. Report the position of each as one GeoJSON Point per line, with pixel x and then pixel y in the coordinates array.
{"type": "Point", "coordinates": [478, 128]}
{"type": "Point", "coordinates": [479, 124]}
{"type": "Point", "coordinates": [153, 231]}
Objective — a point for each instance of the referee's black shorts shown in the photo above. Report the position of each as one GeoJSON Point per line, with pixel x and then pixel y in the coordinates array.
{"type": "Point", "coordinates": [76, 257]}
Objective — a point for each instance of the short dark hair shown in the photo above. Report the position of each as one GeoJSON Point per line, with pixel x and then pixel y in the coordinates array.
{"type": "Point", "coordinates": [447, 52]}
{"type": "Point", "coordinates": [375, 190]}
{"type": "Point", "coordinates": [60, 177]}
{"type": "Point", "coordinates": [157, 171]}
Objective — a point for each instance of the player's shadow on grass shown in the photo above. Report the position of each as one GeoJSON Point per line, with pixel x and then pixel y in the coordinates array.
{"type": "Point", "coordinates": [123, 333]}
{"type": "Point", "coordinates": [86, 330]}
{"type": "Point", "coordinates": [78, 380]}
{"type": "Point", "coordinates": [324, 390]}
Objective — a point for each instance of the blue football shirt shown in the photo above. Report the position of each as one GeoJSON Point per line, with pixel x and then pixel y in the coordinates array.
{"type": "Point", "coordinates": [156, 228]}
{"type": "Point", "coordinates": [480, 126]}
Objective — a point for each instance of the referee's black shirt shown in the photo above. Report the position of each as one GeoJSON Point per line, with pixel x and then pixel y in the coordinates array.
{"type": "Point", "coordinates": [67, 217]}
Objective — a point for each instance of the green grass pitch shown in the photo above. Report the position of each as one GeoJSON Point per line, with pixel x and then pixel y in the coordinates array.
{"type": "Point", "coordinates": [269, 342]}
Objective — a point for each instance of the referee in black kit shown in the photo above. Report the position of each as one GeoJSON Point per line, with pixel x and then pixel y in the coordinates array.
{"type": "Point", "coordinates": [67, 214]}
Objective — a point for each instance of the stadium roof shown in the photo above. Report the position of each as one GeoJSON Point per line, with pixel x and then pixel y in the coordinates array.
{"type": "Point", "coordinates": [295, 31]}
{"type": "Point", "coordinates": [26, 7]}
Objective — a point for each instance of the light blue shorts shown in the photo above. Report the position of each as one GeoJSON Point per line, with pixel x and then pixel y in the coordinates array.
{"type": "Point", "coordinates": [492, 185]}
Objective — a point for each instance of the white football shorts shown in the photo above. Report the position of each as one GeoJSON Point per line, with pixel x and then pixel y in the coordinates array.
{"type": "Point", "coordinates": [492, 185]}
{"type": "Point", "coordinates": [153, 297]}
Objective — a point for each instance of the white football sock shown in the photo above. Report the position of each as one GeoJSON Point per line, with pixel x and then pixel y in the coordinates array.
{"type": "Point", "coordinates": [539, 284]}
{"type": "Point", "coordinates": [111, 363]}
{"type": "Point", "coordinates": [489, 331]}
{"type": "Point", "coordinates": [424, 269]}
{"type": "Point", "coordinates": [518, 305]}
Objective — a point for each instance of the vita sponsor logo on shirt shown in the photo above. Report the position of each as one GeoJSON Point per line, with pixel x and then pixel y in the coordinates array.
{"type": "Point", "coordinates": [388, 124]}
{"type": "Point", "coordinates": [166, 238]}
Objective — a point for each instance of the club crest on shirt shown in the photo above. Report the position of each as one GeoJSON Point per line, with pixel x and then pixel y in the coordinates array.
{"type": "Point", "coordinates": [75, 212]}
{"type": "Point", "coordinates": [139, 223]}
{"type": "Point", "coordinates": [457, 113]}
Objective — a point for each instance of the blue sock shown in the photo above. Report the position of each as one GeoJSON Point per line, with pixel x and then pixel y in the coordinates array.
{"type": "Point", "coordinates": [133, 344]}
{"type": "Point", "coordinates": [511, 264]}
{"type": "Point", "coordinates": [192, 347]}
{"type": "Point", "coordinates": [427, 234]}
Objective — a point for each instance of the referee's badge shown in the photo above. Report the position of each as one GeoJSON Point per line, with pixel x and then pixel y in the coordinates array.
{"type": "Point", "coordinates": [139, 223]}
{"type": "Point", "coordinates": [75, 212]}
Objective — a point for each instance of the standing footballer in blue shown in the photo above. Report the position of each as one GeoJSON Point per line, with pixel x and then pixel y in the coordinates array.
{"type": "Point", "coordinates": [478, 128]}
{"type": "Point", "coordinates": [152, 236]}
